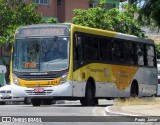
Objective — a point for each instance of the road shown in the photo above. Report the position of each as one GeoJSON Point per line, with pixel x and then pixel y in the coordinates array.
{"type": "Point", "coordinates": [61, 113]}
{"type": "Point", "coordinates": [67, 108]}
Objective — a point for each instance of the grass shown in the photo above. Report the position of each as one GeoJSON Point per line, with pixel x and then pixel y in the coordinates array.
{"type": "Point", "coordinates": [137, 101]}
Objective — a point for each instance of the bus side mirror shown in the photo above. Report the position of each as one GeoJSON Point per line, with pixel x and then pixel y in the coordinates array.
{"type": "Point", "coordinates": [8, 44]}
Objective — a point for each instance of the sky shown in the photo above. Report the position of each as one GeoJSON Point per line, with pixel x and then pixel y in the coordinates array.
{"type": "Point", "coordinates": [140, 3]}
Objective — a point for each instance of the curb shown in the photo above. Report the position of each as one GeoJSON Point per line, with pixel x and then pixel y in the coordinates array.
{"type": "Point", "coordinates": [108, 112]}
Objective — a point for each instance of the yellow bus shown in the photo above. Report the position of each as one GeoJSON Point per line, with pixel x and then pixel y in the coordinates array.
{"type": "Point", "coordinates": [67, 61]}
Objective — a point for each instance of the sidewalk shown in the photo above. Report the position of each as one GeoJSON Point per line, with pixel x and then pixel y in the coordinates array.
{"type": "Point", "coordinates": [135, 110]}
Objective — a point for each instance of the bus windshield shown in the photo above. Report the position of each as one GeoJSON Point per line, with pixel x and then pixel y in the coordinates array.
{"type": "Point", "coordinates": [41, 54]}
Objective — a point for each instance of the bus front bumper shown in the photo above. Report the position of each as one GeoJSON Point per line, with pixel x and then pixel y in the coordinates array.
{"type": "Point", "coordinates": [62, 90]}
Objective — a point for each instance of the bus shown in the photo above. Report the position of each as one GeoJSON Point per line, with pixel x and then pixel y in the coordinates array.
{"type": "Point", "coordinates": [72, 62]}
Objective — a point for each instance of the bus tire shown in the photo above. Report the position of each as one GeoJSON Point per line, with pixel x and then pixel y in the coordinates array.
{"type": "Point", "coordinates": [90, 95]}
{"type": "Point", "coordinates": [36, 102]}
{"type": "Point", "coordinates": [134, 90]}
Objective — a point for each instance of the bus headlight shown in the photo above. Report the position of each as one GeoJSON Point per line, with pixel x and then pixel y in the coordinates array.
{"type": "Point", "coordinates": [64, 78]}
{"type": "Point", "coordinates": [15, 79]}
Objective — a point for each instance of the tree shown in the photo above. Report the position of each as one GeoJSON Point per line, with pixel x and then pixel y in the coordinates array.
{"type": "Point", "coordinates": [149, 14]}
{"type": "Point", "coordinates": [14, 13]}
{"type": "Point", "coordinates": [50, 20]}
{"type": "Point", "coordinates": [112, 19]}
{"type": "Point", "coordinates": [149, 17]}
{"type": "Point", "coordinates": [158, 51]}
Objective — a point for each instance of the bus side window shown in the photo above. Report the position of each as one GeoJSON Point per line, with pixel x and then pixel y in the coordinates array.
{"type": "Point", "coordinates": [78, 50]}
{"type": "Point", "coordinates": [117, 52]}
{"type": "Point", "coordinates": [140, 54]}
{"type": "Point", "coordinates": [105, 50]}
{"type": "Point", "coordinates": [91, 49]}
{"type": "Point", "coordinates": [150, 55]}
{"type": "Point", "coordinates": [129, 55]}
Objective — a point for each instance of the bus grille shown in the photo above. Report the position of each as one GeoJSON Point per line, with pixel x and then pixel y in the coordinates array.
{"type": "Point", "coordinates": [35, 85]}
{"type": "Point", "coordinates": [46, 92]}
{"type": "Point", "coordinates": [38, 77]}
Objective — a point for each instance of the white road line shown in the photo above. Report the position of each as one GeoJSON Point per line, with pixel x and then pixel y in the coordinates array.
{"type": "Point", "coordinates": [94, 111]}
{"type": "Point", "coordinates": [117, 113]}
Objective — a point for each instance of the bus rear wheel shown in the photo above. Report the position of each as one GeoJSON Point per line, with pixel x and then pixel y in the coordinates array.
{"type": "Point", "coordinates": [36, 102]}
{"type": "Point", "coordinates": [134, 90]}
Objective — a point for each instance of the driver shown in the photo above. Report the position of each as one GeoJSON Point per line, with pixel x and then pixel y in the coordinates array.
{"type": "Point", "coordinates": [33, 53]}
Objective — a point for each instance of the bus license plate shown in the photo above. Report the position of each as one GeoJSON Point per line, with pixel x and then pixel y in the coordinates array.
{"type": "Point", "coordinates": [39, 90]}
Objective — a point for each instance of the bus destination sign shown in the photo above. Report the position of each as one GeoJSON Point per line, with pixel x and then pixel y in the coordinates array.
{"type": "Point", "coordinates": [43, 31]}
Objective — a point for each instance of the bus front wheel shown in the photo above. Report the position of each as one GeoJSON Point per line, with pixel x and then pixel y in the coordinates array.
{"type": "Point", "coordinates": [90, 96]}
{"type": "Point", "coordinates": [36, 102]}
{"type": "Point", "coordinates": [89, 99]}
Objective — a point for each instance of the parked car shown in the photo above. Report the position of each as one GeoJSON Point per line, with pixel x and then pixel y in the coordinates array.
{"type": "Point", "coordinates": [6, 90]}
{"type": "Point", "coordinates": [2, 75]}
{"type": "Point", "coordinates": [6, 95]}
{"type": "Point", "coordinates": [2, 79]}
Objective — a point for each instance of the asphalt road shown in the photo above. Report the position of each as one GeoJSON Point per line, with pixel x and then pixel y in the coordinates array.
{"type": "Point", "coordinates": [66, 108]}
{"type": "Point", "coordinates": [68, 113]}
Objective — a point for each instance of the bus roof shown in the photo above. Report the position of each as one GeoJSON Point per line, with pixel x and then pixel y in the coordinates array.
{"type": "Point", "coordinates": [93, 31]}
{"type": "Point", "coordinates": [111, 34]}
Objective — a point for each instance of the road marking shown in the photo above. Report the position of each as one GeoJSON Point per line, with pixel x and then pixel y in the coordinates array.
{"type": "Point", "coordinates": [117, 113]}
{"type": "Point", "coordinates": [98, 111]}
{"type": "Point", "coordinates": [94, 111]}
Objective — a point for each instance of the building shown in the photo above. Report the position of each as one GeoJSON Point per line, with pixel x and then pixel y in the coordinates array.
{"type": "Point", "coordinates": [63, 9]}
